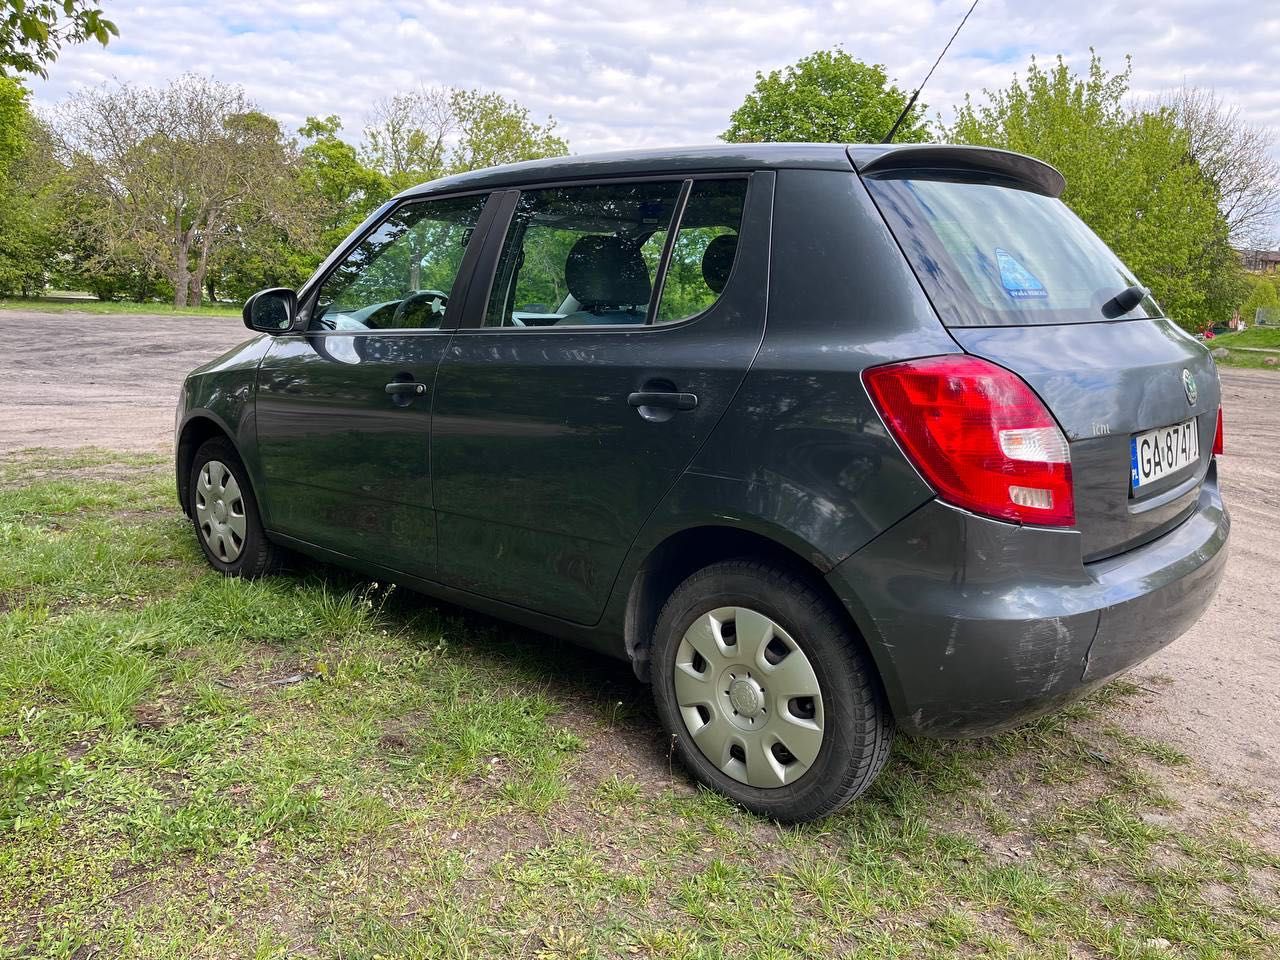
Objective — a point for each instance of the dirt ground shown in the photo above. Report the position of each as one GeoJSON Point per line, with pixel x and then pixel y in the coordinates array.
{"type": "Point", "coordinates": [72, 380]}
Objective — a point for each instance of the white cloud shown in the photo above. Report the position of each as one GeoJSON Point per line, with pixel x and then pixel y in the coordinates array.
{"type": "Point", "coordinates": [619, 74]}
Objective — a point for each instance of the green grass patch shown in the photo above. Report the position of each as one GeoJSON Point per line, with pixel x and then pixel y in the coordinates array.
{"type": "Point", "coordinates": [1265, 337]}
{"type": "Point", "coordinates": [90, 305]}
{"type": "Point", "coordinates": [1255, 338]}
{"type": "Point", "coordinates": [314, 765]}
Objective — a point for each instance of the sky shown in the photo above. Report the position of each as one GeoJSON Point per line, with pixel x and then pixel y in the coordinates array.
{"type": "Point", "coordinates": [618, 74]}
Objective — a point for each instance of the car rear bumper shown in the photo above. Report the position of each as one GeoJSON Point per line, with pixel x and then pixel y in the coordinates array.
{"type": "Point", "coordinates": [978, 625]}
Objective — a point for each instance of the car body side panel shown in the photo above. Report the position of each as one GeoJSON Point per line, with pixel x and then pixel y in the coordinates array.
{"type": "Point", "coordinates": [801, 457]}
{"type": "Point", "coordinates": [223, 391]}
{"type": "Point", "coordinates": [544, 473]}
{"type": "Point", "coordinates": [802, 446]}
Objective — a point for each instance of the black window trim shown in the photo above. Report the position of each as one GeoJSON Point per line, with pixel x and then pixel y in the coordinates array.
{"type": "Point", "coordinates": [660, 281]}
{"type": "Point", "coordinates": [472, 321]}
{"type": "Point", "coordinates": [461, 283]}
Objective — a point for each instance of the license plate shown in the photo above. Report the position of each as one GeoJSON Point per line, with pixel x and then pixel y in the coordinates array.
{"type": "Point", "coordinates": [1157, 453]}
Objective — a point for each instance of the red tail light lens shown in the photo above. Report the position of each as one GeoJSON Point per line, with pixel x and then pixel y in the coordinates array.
{"type": "Point", "coordinates": [1217, 437]}
{"type": "Point", "coordinates": [979, 436]}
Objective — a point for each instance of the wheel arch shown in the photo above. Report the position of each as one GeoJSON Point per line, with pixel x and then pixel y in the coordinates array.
{"type": "Point", "coordinates": [682, 553]}
{"type": "Point", "coordinates": [198, 428]}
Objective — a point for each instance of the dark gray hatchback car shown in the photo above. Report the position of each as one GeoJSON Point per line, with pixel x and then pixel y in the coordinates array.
{"type": "Point", "coordinates": [823, 440]}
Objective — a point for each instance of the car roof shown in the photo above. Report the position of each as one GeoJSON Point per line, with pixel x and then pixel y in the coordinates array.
{"type": "Point", "coordinates": [723, 157]}
{"type": "Point", "coordinates": [731, 157]}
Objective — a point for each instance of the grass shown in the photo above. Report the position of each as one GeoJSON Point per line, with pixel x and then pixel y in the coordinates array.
{"type": "Point", "coordinates": [315, 765]}
{"type": "Point", "coordinates": [1255, 337]}
{"type": "Point", "coordinates": [75, 304]}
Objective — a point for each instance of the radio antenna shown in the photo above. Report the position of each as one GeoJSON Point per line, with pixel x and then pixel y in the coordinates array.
{"type": "Point", "coordinates": [912, 102]}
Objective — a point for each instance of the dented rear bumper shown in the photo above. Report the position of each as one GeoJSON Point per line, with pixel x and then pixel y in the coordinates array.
{"type": "Point", "coordinates": [978, 625]}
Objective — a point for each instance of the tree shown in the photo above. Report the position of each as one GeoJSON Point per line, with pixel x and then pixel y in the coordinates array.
{"type": "Point", "coordinates": [32, 34]}
{"type": "Point", "coordinates": [179, 172]}
{"type": "Point", "coordinates": [1237, 157]}
{"type": "Point", "coordinates": [1131, 175]}
{"type": "Point", "coordinates": [826, 97]}
{"type": "Point", "coordinates": [346, 189]}
{"type": "Point", "coordinates": [30, 218]}
{"type": "Point", "coordinates": [406, 140]}
{"type": "Point", "coordinates": [492, 130]}
{"type": "Point", "coordinates": [1262, 295]}
{"type": "Point", "coordinates": [432, 131]}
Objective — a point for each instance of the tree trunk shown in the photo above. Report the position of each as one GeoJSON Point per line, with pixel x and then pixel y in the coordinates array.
{"type": "Point", "coordinates": [415, 260]}
{"type": "Point", "coordinates": [202, 267]}
{"type": "Point", "coordinates": [181, 276]}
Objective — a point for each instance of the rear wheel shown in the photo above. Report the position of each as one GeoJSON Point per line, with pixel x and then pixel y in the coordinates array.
{"type": "Point", "coordinates": [225, 513]}
{"type": "Point", "coordinates": [767, 696]}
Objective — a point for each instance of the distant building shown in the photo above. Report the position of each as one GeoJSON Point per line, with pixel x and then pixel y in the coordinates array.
{"type": "Point", "coordinates": [1260, 261]}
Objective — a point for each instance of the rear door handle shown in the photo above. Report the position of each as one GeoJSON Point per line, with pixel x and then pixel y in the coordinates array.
{"type": "Point", "coordinates": [665, 399]}
{"type": "Point", "coordinates": [400, 388]}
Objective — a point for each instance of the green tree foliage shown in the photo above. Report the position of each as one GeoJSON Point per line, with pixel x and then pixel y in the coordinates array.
{"type": "Point", "coordinates": [30, 217]}
{"type": "Point", "coordinates": [32, 34]}
{"type": "Point", "coordinates": [1263, 294]}
{"type": "Point", "coordinates": [1131, 175]}
{"type": "Point", "coordinates": [332, 172]}
{"type": "Point", "coordinates": [826, 97]}
{"type": "Point", "coordinates": [493, 130]}
{"type": "Point", "coordinates": [179, 177]}
{"type": "Point", "coordinates": [433, 131]}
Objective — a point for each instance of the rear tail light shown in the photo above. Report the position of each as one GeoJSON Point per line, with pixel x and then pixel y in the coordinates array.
{"type": "Point", "coordinates": [1217, 437]}
{"type": "Point", "coordinates": [979, 436]}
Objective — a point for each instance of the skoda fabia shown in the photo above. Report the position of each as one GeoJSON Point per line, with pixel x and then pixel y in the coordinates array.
{"type": "Point", "coordinates": [824, 441]}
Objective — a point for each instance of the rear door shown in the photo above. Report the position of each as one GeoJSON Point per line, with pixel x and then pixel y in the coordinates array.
{"type": "Point", "coordinates": [1020, 280]}
{"type": "Point", "coordinates": [343, 408]}
{"type": "Point", "coordinates": [619, 322]}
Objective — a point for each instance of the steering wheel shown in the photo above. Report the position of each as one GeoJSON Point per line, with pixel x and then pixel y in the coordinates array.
{"type": "Point", "coordinates": [432, 300]}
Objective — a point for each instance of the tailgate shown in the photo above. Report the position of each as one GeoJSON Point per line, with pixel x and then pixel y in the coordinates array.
{"type": "Point", "coordinates": [1107, 384]}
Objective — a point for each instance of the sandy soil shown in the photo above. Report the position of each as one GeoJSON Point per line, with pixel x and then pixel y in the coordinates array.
{"type": "Point", "coordinates": [71, 380]}
{"type": "Point", "coordinates": [74, 379]}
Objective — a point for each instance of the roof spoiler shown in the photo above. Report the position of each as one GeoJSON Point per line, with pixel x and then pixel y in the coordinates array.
{"type": "Point", "coordinates": [1027, 172]}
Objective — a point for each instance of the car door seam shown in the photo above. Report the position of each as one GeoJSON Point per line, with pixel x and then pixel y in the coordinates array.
{"type": "Point", "coordinates": [746, 372]}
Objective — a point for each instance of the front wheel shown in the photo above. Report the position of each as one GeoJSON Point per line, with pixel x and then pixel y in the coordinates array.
{"type": "Point", "coordinates": [766, 695]}
{"type": "Point", "coordinates": [225, 513]}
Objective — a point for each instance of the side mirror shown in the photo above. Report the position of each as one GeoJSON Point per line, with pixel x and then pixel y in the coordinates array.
{"type": "Point", "coordinates": [271, 311]}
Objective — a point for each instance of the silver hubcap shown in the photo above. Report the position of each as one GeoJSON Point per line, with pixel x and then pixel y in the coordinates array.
{"type": "Point", "coordinates": [220, 511]}
{"type": "Point", "coordinates": [749, 697]}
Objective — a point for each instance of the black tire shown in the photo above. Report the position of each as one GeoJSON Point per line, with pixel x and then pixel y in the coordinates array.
{"type": "Point", "coordinates": [257, 556]}
{"type": "Point", "coordinates": [857, 724]}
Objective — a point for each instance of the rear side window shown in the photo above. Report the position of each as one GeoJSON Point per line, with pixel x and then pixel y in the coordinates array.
{"type": "Point", "coordinates": [990, 254]}
{"type": "Point", "coordinates": [705, 249]}
{"type": "Point", "coordinates": [592, 255]}
{"type": "Point", "coordinates": [582, 256]}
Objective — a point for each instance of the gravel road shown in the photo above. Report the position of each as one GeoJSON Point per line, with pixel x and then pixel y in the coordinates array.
{"type": "Point", "coordinates": [69, 380]}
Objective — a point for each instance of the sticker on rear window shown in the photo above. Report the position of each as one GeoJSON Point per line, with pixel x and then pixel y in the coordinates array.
{"type": "Point", "coordinates": [1019, 282]}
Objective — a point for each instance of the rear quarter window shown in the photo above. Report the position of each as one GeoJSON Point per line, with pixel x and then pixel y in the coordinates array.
{"type": "Point", "coordinates": [991, 253]}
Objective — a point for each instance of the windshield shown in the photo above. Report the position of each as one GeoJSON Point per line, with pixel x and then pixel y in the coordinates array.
{"type": "Point", "coordinates": [990, 254]}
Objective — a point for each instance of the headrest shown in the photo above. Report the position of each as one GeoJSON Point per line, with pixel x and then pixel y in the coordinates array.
{"type": "Point", "coordinates": [606, 271]}
{"type": "Point", "coordinates": [717, 261]}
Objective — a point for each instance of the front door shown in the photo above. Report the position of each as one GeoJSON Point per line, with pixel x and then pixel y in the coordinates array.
{"type": "Point", "coordinates": [587, 374]}
{"type": "Point", "coordinates": [344, 407]}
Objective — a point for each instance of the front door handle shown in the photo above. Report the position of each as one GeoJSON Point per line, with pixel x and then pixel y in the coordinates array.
{"type": "Point", "coordinates": [400, 388]}
{"type": "Point", "coordinates": [665, 399]}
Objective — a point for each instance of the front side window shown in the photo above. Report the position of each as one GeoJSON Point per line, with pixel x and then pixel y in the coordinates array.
{"type": "Point", "coordinates": [399, 277]}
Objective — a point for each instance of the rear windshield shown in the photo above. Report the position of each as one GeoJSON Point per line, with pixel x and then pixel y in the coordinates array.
{"type": "Point", "coordinates": [990, 254]}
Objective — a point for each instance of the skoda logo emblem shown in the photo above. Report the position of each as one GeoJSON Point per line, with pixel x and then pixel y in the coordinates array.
{"type": "Point", "coordinates": [1189, 385]}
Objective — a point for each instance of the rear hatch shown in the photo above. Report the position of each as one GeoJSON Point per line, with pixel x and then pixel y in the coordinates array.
{"type": "Point", "coordinates": [1019, 280]}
